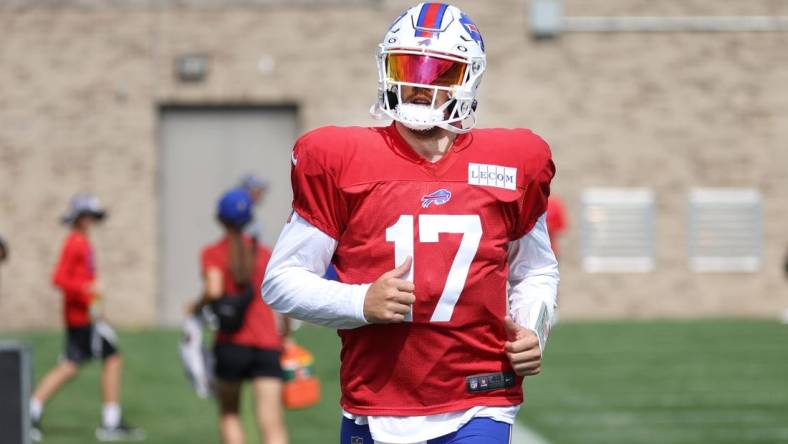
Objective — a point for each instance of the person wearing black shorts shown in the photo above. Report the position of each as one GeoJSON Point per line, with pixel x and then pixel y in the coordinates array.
{"type": "Point", "coordinates": [92, 341]}
{"type": "Point", "coordinates": [250, 349]}
{"type": "Point", "coordinates": [238, 362]}
{"type": "Point", "coordinates": [88, 336]}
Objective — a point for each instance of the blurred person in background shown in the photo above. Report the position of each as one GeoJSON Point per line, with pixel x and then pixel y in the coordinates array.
{"type": "Point", "coordinates": [426, 222]}
{"type": "Point", "coordinates": [3, 251]}
{"type": "Point", "coordinates": [785, 264]}
{"type": "Point", "coordinates": [3, 255]}
{"type": "Point", "coordinates": [88, 336]}
{"type": "Point", "coordinates": [556, 226]}
{"type": "Point", "coordinates": [556, 221]}
{"type": "Point", "coordinates": [256, 186]}
{"type": "Point", "coordinates": [250, 348]}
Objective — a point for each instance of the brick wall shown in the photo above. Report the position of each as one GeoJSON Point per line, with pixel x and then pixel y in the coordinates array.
{"type": "Point", "coordinates": [81, 82]}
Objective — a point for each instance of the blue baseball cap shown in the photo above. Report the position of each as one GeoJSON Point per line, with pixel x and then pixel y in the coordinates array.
{"type": "Point", "coordinates": [235, 208]}
{"type": "Point", "coordinates": [83, 204]}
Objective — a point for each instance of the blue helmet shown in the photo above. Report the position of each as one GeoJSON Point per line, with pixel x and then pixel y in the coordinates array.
{"type": "Point", "coordinates": [235, 208]}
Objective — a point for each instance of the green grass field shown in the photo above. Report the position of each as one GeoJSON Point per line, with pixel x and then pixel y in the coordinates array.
{"type": "Point", "coordinates": [663, 382]}
{"type": "Point", "coordinates": [613, 382]}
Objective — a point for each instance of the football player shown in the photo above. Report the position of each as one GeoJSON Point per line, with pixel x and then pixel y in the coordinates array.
{"type": "Point", "coordinates": [447, 282]}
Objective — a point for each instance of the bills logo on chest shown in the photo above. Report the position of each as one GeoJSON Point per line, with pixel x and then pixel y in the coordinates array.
{"type": "Point", "coordinates": [492, 176]}
{"type": "Point", "coordinates": [439, 197]}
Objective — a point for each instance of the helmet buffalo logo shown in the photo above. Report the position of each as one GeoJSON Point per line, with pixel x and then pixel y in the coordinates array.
{"type": "Point", "coordinates": [439, 197]}
{"type": "Point", "coordinates": [472, 30]}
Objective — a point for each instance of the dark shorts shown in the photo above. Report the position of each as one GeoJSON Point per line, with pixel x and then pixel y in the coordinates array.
{"type": "Point", "coordinates": [238, 362]}
{"type": "Point", "coordinates": [86, 343]}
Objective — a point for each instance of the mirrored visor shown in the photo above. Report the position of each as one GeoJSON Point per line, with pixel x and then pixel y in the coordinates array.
{"type": "Point", "coordinates": [425, 70]}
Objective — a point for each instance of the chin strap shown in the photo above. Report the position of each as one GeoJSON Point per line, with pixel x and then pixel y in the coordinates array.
{"type": "Point", "coordinates": [419, 117]}
{"type": "Point", "coordinates": [378, 113]}
{"type": "Point", "coordinates": [458, 130]}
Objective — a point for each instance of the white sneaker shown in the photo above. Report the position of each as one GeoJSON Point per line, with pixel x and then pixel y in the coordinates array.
{"type": "Point", "coordinates": [123, 432]}
{"type": "Point", "coordinates": [35, 431]}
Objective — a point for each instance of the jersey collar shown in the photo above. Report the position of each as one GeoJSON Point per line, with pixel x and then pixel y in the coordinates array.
{"type": "Point", "coordinates": [401, 146]}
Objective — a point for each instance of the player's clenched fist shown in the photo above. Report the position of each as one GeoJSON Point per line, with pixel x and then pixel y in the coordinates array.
{"type": "Point", "coordinates": [390, 298]}
{"type": "Point", "coordinates": [522, 348]}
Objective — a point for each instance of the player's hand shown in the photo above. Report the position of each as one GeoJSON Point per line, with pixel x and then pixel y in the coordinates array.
{"type": "Point", "coordinates": [390, 298]}
{"type": "Point", "coordinates": [522, 348]}
{"type": "Point", "coordinates": [192, 308]}
{"type": "Point", "coordinates": [95, 288]}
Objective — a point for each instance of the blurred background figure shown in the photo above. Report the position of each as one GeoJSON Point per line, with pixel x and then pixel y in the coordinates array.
{"type": "Point", "coordinates": [248, 345]}
{"type": "Point", "coordinates": [88, 336]}
{"type": "Point", "coordinates": [556, 221]}
{"type": "Point", "coordinates": [256, 186]}
{"type": "Point", "coordinates": [3, 251]}
{"type": "Point", "coordinates": [3, 256]}
{"type": "Point", "coordinates": [784, 315]}
{"type": "Point", "coordinates": [785, 263]}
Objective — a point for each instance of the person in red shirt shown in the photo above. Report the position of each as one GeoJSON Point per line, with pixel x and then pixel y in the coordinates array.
{"type": "Point", "coordinates": [556, 220]}
{"type": "Point", "coordinates": [233, 267]}
{"type": "Point", "coordinates": [87, 335]}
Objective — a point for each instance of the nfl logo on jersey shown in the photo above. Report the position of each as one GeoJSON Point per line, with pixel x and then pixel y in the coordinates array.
{"type": "Point", "coordinates": [356, 440]}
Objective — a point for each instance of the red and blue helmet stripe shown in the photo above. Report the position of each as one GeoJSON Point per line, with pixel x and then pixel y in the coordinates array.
{"type": "Point", "coordinates": [430, 18]}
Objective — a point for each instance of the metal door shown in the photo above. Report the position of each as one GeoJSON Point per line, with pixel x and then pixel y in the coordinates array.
{"type": "Point", "coordinates": [205, 151]}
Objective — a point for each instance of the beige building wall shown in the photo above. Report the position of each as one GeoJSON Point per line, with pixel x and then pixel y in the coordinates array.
{"type": "Point", "coordinates": [81, 82]}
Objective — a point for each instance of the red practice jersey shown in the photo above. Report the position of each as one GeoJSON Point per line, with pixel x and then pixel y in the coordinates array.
{"type": "Point", "coordinates": [382, 202]}
{"type": "Point", "coordinates": [74, 272]}
{"type": "Point", "coordinates": [259, 328]}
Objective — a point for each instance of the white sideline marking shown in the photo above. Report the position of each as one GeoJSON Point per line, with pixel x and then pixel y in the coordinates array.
{"type": "Point", "coordinates": [523, 435]}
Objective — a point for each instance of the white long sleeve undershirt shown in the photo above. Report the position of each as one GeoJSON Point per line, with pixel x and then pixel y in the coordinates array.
{"type": "Point", "coordinates": [294, 284]}
{"type": "Point", "coordinates": [533, 280]}
{"type": "Point", "coordinates": [294, 287]}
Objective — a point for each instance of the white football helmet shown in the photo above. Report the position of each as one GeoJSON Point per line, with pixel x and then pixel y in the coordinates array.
{"type": "Point", "coordinates": [437, 47]}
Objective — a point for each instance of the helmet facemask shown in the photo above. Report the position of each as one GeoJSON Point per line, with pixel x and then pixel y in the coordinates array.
{"type": "Point", "coordinates": [458, 77]}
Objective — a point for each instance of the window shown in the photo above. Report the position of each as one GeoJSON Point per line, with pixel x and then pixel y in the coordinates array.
{"type": "Point", "coordinates": [617, 230]}
{"type": "Point", "coordinates": [725, 229]}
